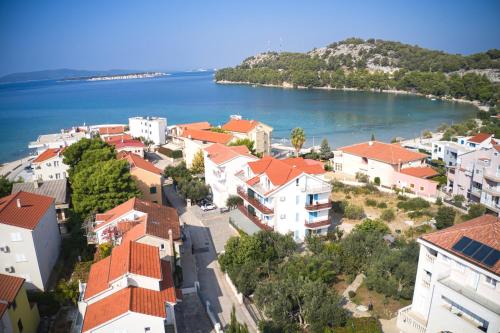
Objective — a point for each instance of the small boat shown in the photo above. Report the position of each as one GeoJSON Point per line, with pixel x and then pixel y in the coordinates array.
{"type": "Point", "coordinates": [433, 99]}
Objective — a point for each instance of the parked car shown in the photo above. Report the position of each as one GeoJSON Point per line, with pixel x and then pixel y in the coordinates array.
{"type": "Point", "coordinates": [207, 207]}
{"type": "Point", "coordinates": [224, 210]}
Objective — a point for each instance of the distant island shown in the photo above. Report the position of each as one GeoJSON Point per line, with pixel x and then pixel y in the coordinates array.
{"type": "Point", "coordinates": [130, 76]}
{"type": "Point", "coordinates": [376, 65]}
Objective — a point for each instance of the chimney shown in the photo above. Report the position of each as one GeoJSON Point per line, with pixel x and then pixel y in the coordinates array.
{"type": "Point", "coordinates": [370, 143]}
{"type": "Point", "coordinates": [18, 203]}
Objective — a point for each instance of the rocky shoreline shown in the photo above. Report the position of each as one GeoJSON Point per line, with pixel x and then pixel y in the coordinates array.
{"type": "Point", "coordinates": [287, 85]}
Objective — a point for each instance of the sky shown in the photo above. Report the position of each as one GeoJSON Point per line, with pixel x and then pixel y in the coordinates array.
{"type": "Point", "coordinates": [183, 35]}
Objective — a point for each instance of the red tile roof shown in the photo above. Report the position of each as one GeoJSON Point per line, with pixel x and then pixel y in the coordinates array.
{"type": "Point", "coordinates": [420, 172]}
{"type": "Point", "coordinates": [240, 125]}
{"type": "Point", "coordinates": [202, 125]}
{"type": "Point", "coordinates": [159, 218]}
{"type": "Point", "coordinates": [311, 167]}
{"type": "Point", "coordinates": [384, 152]}
{"type": "Point", "coordinates": [219, 153]}
{"type": "Point", "coordinates": [111, 130]}
{"type": "Point", "coordinates": [478, 138]}
{"type": "Point", "coordinates": [281, 172]}
{"type": "Point", "coordinates": [118, 138]}
{"type": "Point", "coordinates": [207, 136]}
{"type": "Point", "coordinates": [129, 257]}
{"type": "Point", "coordinates": [9, 287]}
{"type": "Point", "coordinates": [127, 143]}
{"type": "Point", "coordinates": [48, 154]}
{"type": "Point", "coordinates": [484, 229]}
{"type": "Point", "coordinates": [136, 161]}
{"type": "Point", "coordinates": [33, 208]}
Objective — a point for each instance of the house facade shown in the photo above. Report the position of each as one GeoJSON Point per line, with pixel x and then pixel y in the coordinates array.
{"type": "Point", "coordinates": [131, 290]}
{"type": "Point", "coordinates": [58, 140]}
{"type": "Point", "coordinates": [49, 165]}
{"type": "Point", "coordinates": [17, 314]}
{"type": "Point", "coordinates": [130, 146]}
{"type": "Point", "coordinates": [477, 177]}
{"type": "Point", "coordinates": [150, 128]}
{"type": "Point", "coordinates": [417, 180]}
{"type": "Point", "coordinates": [221, 165]}
{"type": "Point", "coordinates": [448, 152]}
{"type": "Point", "coordinates": [194, 141]}
{"type": "Point", "coordinates": [29, 237]}
{"type": "Point", "coordinates": [256, 131]}
{"type": "Point", "coordinates": [287, 196]}
{"type": "Point", "coordinates": [457, 285]}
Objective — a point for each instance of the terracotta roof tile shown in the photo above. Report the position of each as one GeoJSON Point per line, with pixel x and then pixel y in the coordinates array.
{"type": "Point", "coordinates": [384, 152]}
{"type": "Point", "coordinates": [33, 208]}
{"type": "Point", "coordinates": [420, 172]}
{"type": "Point", "coordinates": [202, 125]}
{"type": "Point", "coordinates": [207, 136]}
{"type": "Point", "coordinates": [48, 154]}
{"type": "Point", "coordinates": [240, 125]}
{"type": "Point", "coordinates": [219, 153]}
{"type": "Point", "coordinates": [127, 143]}
{"type": "Point", "coordinates": [118, 138]}
{"type": "Point", "coordinates": [98, 279]}
{"type": "Point", "coordinates": [479, 138]}
{"type": "Point", "coordinates": [136, 161]}
{"type": "Point", "coordinates": [111, 130]}
{"type": "Point", "coordinates": [9, 287]}
{"type": "Point", "coordinates": [484, 229]}
{"type": "Point", "coordinates": [311, 167]}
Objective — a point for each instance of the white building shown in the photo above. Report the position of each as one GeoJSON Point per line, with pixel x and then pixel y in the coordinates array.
{"type": "Point", "coordinates": [221, 165]}
{"type": "Point", "coordinates": [287, 196]}
{"type": "Point", "coordinates": [448, 152]}
{"type": "Point", "coordinates": [131, 290]}
{"type": "Point", "coordinates": [150, 128]}
{"type": "Point", "coordinates": [58, 140]}
{"type": "Point", "coordinates": [194, 141]}
{"type": "Point", "coordinates": [456, 287]}
{"type": "Point", "coordinates": [29, 237]}
{"type": "Point", "coordinates": [49, 165]}
{"type": "Point", "coordinates": [478, 141]}
{"type": "Point", "coordinates": [256, 131]}
{"type": "Point", "coordinates": [131, 146]}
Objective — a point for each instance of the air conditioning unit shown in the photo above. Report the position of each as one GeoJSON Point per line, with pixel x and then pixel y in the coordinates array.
{"type": "Point", "coordinates": [9, 269]}
{"type": "Point", "coordinates": [4, 249]}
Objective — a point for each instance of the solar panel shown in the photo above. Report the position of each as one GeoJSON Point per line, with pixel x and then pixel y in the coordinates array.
{"type": "Point", "coordinates": [492, 258]}
{"type": "Point", "coordinates": [482, 253]}
{"type": "Point", "coordinates": [471, 248]}
{"type": "Point", "coordinates": [461, 244]}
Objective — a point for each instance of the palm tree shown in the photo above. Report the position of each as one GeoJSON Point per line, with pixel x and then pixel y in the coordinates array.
{"type": "Point", "coordinates": [297, 137]}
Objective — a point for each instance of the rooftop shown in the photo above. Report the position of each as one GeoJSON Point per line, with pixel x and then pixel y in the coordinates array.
{"type": "Point", "coordinates": [127, 143]}
{"type": "Point", "coordinates": [240, 125]}
{"type": "Point", "coordinates": [106, 130]}
{"type": "Point", "coordinates": [32, 208]}
{"type": "Point", "coordinates": [383, 152]}
{"type": "Point", "coordinates": [9, 288]}
{"type": "Point", "coordinates": [420, 172]}
{"type": "Point", "coordinates": [47, 138]}
{"type": "Point", "coordinates": [220, 154]}
{"type": "Point", "coordinates": [118, 138]}
{"type": "Point", "coordinates": [484, 229]}
{"type": "Point", "coordinates": [481, 137]}
{"type": "Point", "coordinates": [136, 161]}
{"type": "Point", "coordinates": [56, 189]}
{"type": "Point", "coordinates": [48, 154]}
{"type": "Point", "coordinates": [207, 136]}
{"type": "Point", "coordinates": [202, 125]}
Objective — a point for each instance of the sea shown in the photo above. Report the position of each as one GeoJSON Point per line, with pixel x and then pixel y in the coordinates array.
{"type": "Point", "coordinates": [29, 109]}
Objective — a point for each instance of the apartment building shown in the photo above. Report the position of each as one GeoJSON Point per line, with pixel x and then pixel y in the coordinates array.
{"type": "Point", "coordinates": [132, 290]}
{"type": "Point", "coordinates": [195, 140]}
{"type": "Point", "coordinates": [221, 165]}
{"type": "Point", "coordinates": [150, 128]}
{"type": "Point", "coordinates": [141, 221]}
{"type": "Point", "coordinates": [17, 314]}
{"type": "Point", "coordinates": [58, 140]}
{"type": "Point", "coordinates": [49, 165]}
{"type": "Point", "coordinates": [286, 195]}
{"type": "Point", "coordinates": [448, 152]}
{"type": "Point", "coordinates": [477, 177]}
{"type": "Point", "coordinates": [256, 131]}
{"type": "Point", "coordinates": [130, 146]}
{"type": "Point", "coordinates": [457, 285]}
{"type": "Point", "coordinates": [29, 237]}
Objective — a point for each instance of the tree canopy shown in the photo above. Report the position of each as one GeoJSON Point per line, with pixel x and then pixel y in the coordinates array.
{"type": "Point", "coordinates": [297, 138]}
{"type": "Point", "coordinates": [198, 164]}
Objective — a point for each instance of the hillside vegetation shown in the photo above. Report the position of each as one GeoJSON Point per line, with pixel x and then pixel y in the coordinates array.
{"type": "Point", "coordinates": [376, 65]}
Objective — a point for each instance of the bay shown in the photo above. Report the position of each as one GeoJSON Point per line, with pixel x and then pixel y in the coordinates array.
{"type": "Point", "coordinates": [344, 117]}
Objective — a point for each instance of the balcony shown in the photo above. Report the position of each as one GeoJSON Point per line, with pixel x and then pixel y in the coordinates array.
{"type": "Point", "coordinates": [319, 206]}
{"type": "Point", "coordinates": [258, 222]}
{"type": "Point", "coordinates": [316, 189]}
{"type": "Point", "coordinates": [254, 202]}
{"type": "Point", "coordinates": [492, 176]}
{"type": "Point", "coordinates": [475, 192]}
{"type": "Point", "coordinates": [494, 191]}
{"type": "Point", "coordinates": [410, 322]}
{"type": "Point", "coordinates": [317, 224]}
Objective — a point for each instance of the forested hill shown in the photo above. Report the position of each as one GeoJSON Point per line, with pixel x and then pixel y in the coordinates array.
{"type": "Point", "coordinates": [378, 65]}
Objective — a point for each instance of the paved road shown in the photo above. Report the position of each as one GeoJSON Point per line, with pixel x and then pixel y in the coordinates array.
{"type": "Point", "coordinates": [213, 285]}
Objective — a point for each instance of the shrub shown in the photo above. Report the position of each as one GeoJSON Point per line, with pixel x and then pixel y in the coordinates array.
{"type": "Point", "coordinates": [351, 294]}
{"type": "Point", "coordinates": [170, 153]}
{"type": "Point", "coordinates": [427, 134]}
{"type": "Point", "coordinates": [372, 225]}
{"type": "Point", "coordinates": [388, 215]}
{"type": "Point", "coordinates": [361, 177]}
{"type": "Point", "coordinates": [339, 206]}
{"type": "Point", "coordinates": [376, 180]}
{"type": "Point", "coordinates": [458, 200]}
{"type": "Point", "coordinates": [382, 205]}
{"type": "Point", "coordinates": [475, 210]}
{"type": "Point", "coordinates": [439, 201]}
{"type": "Point", "coordinates": [445, 217]}
{"type": "Point", "coordinates": [354, 212]}
{"type": "Point", "coordinates": [413, 204]}
{"type": "Point", "coordinates": [233, 201]}
{"type": "Point", "coordinates": [402, 197]}
{"type": "Point", "coordinates": [371, 202]}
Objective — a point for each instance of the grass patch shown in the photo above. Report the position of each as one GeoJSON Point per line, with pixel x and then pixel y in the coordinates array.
{"type": "Point", "coordinates": [359, 325]}
{"type": "Point", "coordinates": [383, 307]}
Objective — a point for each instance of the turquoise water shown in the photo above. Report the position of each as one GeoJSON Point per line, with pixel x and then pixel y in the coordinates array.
{"type": "Point", "coordinates": [30, 109]}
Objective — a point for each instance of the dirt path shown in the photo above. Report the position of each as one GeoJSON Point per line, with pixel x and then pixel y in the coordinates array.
{"type": "Point", "coordinates": [350, 305]}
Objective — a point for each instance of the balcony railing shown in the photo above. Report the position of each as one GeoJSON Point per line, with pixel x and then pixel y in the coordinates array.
{"type": "Point", "coordinates": [492, 176]}
{"type": "Point", "coordinates": [319, 206]}
{"type": "Point", "coordinates": [254, 202]}
{"type": "Point", "coordinates": [408, 323]}
{"type": "Point", "coordinates": [254, 219]}
{"type": "Point", "coordinates": [316, 189]}
{"type": "Point", "coordinates": [317, 224]}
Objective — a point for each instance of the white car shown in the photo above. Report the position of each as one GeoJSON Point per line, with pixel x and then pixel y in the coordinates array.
{"type": "Point", "coordinates": [208, 207]}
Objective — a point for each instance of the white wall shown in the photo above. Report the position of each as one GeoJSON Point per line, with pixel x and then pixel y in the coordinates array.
{"type": "Point", "coordinates": [51, 169]}
{"type": "Point", "coordinates": [151, 128]}
{"type": "Point", "coordinates": [132, 322]}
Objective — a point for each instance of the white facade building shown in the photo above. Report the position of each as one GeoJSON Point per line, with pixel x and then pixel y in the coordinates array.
{"type": "Point", "coordinates": [150, 128]}
{"type": "Point", "coordinates": [221, 165]}
{"type": "Point", "coordinates": [49, 165]}
{"type": "Point", "coordinates": [58, 140]}
{"type": "Point", "coordinates": [29, 237]}
{"type": "Point", "coordinates": [288, 196]}
{"type": "Point", "coordinates": [457, 285]}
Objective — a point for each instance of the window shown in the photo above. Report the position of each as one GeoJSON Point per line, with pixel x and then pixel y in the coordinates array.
{"type": "Point", "coordinates": [297, 182]}
{"type": "Point", "coordinates": [297, 198]}
{"type": "Point", "coordinates": [14, 304]}
{"type": "Point", "coordinates": [152, 189]}
{"type": "Point", "coordinates": [421, 188]}
{"type": "Point", "coordinates": [283, 198]}
{"type": "Point", "coordinates": [20, 325]}
{"type": "Point", "coordinates": [296, 217]}
{"type": "Point", "coordinates": [56, 163]}
{"type": "Point", "coordinates": [162, 246]}
{"type": "Point", "coordinates": [21, 258]}
{"type": "Point", "coordinates": [283, 216]}
{"type": "Point", "coordinates": [15, 236]}
{"type": "Point", "coordinates": [491, 282]}
{"type": "Point", "coordinates": [412, 185]}
{"type": "Point", "coordinates": [147, 329]}
{"type": "Point", "coordinates": [58, 175]}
